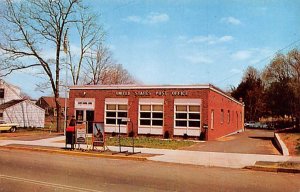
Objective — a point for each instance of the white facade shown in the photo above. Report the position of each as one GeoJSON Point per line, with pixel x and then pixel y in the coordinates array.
{"type": "Point", "coordinates": [10, 92]}
{"type": "Point", "coordinates": [25, 113]}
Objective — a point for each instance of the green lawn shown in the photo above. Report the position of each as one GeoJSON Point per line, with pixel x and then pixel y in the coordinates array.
{"type": "Point", "coordinates": [149, 142]}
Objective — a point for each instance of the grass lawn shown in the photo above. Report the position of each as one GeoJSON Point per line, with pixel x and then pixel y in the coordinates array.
{"type": "Point", "coordinates": [149, 142]}
{"type": "Point", "coordinates": [292, 142]}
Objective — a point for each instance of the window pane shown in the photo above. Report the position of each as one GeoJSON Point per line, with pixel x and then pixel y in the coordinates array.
{"type": "Point", "coordinates": [195, 108]}
{"type": "Point", "coordinates": [181, 123]}
{"type": "Point", "coordinates": [157, 115]}
{"type": "Point", "coordinates": [79, 115]}
{"type": "Point", "coordinates": [1, 93]}
{"type": "Point", "coordinates": [144, 122]}
{"type": "Point", "coordinates": [194, 123]}
{"type": "Point", "coordinates": [122, 107]}
{"type": "Point", "coordinates": [145, 107]}
{"type": "Point", "coordinates": [110, 114]}
{"type": "Point", "coordinates": [111, 121]}
{"type": "Point", "coordinates": [111, 107]}
{"type": "Point", "coordinates": [181, 116]}
{"type": "Point", "coordinates": [145, 115]}
{"type": "Point", "coordinates": [122, 114]}
{"type": "Point", "coordinates": [157, 122]}
{"type": "Point", "coordinates": [194, 116]}
{"type": "Point", "coordinates": [181, 108]}
{"type": "Point", "coordinates": [157, 108]}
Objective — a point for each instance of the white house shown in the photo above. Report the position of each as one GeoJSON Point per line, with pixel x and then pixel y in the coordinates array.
{"type": "Point", "coordinates": [14, 109]}
{"type": "Point", "coordinates": [9, 92]}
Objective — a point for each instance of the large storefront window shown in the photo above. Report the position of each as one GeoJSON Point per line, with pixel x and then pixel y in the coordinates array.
{"type": "Point", "coordinates": [115, 109]}
{"type": "Point", "coordinates": [187, 116]}
{"type": "Point", "coordinates": [114, 112]}
{"type": "Point", "coordinates": [151, 115]}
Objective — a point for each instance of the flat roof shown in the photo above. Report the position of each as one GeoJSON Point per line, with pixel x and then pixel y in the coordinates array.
{"type": "Point", "coordinates": [130, 86]}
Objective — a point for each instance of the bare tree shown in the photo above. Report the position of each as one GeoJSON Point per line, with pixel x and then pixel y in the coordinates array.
{"type": "Point", "coordinates": [98, 62]}
{"type": "Point", "coordinates": [90, 35]}
{"type": "Point", "coordinates": [32, 28]}
{"type": "Point", "coordinates": [116, 74]}
{"type": "Point", "coordinates": [101, 69]}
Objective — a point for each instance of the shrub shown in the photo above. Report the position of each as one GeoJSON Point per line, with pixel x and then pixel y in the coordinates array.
{"type": "Point", "coordinates": [166, 135]}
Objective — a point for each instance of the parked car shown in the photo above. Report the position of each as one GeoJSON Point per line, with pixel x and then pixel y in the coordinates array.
{"type": "Point", "coordinates": [12, 127]}
{"type": "Point", "coordinates": [249, 124]}
{"type": "Point", "coordinates": [253, 124]}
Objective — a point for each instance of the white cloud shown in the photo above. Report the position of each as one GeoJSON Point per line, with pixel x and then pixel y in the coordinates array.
{"type": "Point", "coordinates": [198, 59]}
{"type": "Point", "coordinates": [241, 55]}
{"type": "Point", "coordinates": [151, 18]}
{"type": "Point", "coordinates": [157, 18]}
{"type": "Point", "coordinates": [133, 18]}
{"type": "Point", "coordinates": [210, 39]}
{"type": "Point", "coordinates": [231, 20]}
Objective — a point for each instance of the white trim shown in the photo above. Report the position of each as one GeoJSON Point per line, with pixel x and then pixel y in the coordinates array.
{"type": "Point", "coordinates": [128, 87]}
{"type": "Point", "coordinates": [116, 101]}
{"type": "Point", "coordinates": [187, 101]}
{"type": "Point", "coordinates": [84, 87]}
{"type": "Point", "coordinates": [151, 101]}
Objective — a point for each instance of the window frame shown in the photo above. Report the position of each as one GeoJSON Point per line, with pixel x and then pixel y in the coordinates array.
{"type": "Point", "coordinates": [2, 93]}
{"type": "Point", "coordinates": [116, 111]}
{"type": "Point", "coordinates": [187, 119]}
{"type": "Point", "coordinates": [151, 111]}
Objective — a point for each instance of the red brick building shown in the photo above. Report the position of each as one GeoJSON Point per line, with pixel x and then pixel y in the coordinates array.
{"type": "Point", "coordinates": [190, 110]}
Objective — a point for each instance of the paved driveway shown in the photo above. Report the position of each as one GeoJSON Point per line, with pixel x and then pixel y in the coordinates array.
{"type": "Point", "coordinates": [252, 141]}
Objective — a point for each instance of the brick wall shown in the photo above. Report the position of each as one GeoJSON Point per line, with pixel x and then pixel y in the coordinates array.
{"type": "Point", "coordinates": [233, 123]}
{"type": "Point", "coordinates": [210, 100]}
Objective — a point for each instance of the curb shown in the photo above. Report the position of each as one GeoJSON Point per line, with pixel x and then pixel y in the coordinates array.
{"type": "Point", "coordinates": [74, 153]}
{"type": "Point", "coordinates": [273, 169]}
{"type": "Point", "coordinates": [281, 145]}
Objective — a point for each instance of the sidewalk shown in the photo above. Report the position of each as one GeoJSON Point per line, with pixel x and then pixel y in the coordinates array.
{"type": "Point", "coordinates": [218, 159]}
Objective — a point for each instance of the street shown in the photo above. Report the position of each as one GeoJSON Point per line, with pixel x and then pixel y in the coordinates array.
{"type": "Point", "coordinates": [34, 171]}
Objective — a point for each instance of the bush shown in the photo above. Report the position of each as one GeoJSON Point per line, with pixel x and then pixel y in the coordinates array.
{"type": "Point", "coordinates": [166, 135]}
{"type": "Point", "coordinates": [185, 136]}
{"type": "Point", "coordinates": [113, 134]}
{"type": "Point", "coordinates": [131, 134]}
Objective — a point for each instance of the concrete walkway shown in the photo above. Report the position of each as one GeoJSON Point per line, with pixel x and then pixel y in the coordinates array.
{"type": "Point", "coordinates": [218, 159]}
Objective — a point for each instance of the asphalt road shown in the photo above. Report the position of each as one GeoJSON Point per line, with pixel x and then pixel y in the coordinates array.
{"type": "Point", "coordinates": [34, 171]}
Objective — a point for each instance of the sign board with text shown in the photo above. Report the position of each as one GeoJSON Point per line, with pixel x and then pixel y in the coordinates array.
{"type": "Point", "coordinates": [98, 134]}
{"type": "Point", "coordinates": [81, 133]}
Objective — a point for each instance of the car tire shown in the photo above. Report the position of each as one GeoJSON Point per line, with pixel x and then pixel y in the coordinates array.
{"type": "Point", "coordinates": [13, 129]}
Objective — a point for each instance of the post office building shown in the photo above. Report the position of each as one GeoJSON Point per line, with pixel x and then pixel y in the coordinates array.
{"type": "Point", "coordinates": [202, 111]}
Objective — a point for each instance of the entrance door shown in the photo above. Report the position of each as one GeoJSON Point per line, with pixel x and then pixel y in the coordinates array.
{"type": "Point", "coordinates": [90, 120]}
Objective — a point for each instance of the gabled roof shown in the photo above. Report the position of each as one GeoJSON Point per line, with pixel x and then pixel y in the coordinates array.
{"type": "Point", "coordinates": [10, 103]}
{"type": "Point", "coordinates": [51, 101]}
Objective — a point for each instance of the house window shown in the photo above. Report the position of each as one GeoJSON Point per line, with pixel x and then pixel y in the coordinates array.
{"type": "Point", "coordinates": [151, 115]}
{"type": "Point", "coordinates": [212, 119]}
{"type": "Point", "coordinates": [1, 93]}
{"type": "Point", "coordinates": [187, 116]}
{"type": "Point", "coordinates": [79, 115]}
{"type": "Point", "coordinates": [222, 116]}
{"type": "Point", "coordinates": [113, 112]}
{"type": "Point", "coordinates": [1, 116]}
{"type": "Point", "coordinates": [54, 112]}
{"type": "Point", "coordinates": [228, 117]}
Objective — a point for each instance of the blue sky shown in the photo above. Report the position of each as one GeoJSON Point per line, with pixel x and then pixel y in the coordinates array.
{"type": "Point", "coordinates": [192, 41]}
